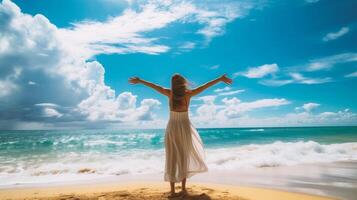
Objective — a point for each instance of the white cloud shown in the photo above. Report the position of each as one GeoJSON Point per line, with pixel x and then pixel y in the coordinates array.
{"type": "Point", "coordinates": [206, 99]}
{"type": "Point", "coordinates": [207, 111]}
{"type": "Point", "coordinates": [335, 35]}
{"type": "Point", "coordinates": [121, 108]}
{"type": "Point", "coordinates": [46, 105]}
{"type": "Point", "coordinates": [75, 87]}
{"type": "Point", "coordinates": [276, 82]}
{"type": "Point", "coordinates": [308, 107]}
{"type": "Point", "coordinates": [6, 88]}
{"type": "Point", "coordinates": [51, 112]}
{"type": "Point", "coordinates": [230, 109]}
{"type": "Point", "coordinates": [262, 103]}
{"type": "Point", "coordinates": [330, 61]}
{"type": "Point", "coordinates": [226, 91]}
{"type": "Point", "coordinates": [91, 38]}
{"type": "Point", "coordinates": [230, 92]}
{"type": "Point", "coordinates": [294, 74]}
{"type": "Point", "coordinates": [299, 78]}
{"type": "Point", "coordinates": [126, 33]}
{"type": "Point", "coordinates": [260, 71]}
{"type": "Point", "coordinates": [226, 88]}
{"type": "Point", "coordinates": [353, 74]}
{"type": "Point", "coordinates": [58, 58]}
{"type": "Point", "coordinates": [214, 67]}
{"type": "Point", "coordinates": [343, 117]}
{"type": "Point", "coordinates": [214, 17]}
{"type": "Point", "coordinates": [213, 115]}
{"type": "Point", "coordinates": [187, 46]}
{"type": "Point", "coordinates": [296, 78]}
{"type": "Point", "coordinates": [7, 84]}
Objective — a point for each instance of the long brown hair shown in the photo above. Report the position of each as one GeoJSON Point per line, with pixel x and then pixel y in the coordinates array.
{"type": "Point", "coordinates": [178, 88]}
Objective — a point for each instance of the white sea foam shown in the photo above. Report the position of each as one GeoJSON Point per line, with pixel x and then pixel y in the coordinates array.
{"type": "Point", "coordinates": [280, 154]}
{"type": "Point", "coordinates": [89, 165]}
{"type": "Point", "coordinates": [256, 130]}
{"type": "Point", "coordinates": [103, 142]}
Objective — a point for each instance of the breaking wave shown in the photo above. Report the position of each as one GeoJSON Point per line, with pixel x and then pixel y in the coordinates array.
{"type": "Point", "coordinates": [88, 165]}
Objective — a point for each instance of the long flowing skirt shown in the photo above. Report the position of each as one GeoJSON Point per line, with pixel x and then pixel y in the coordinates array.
{"type": "Point", "coordinates": [184, 149]}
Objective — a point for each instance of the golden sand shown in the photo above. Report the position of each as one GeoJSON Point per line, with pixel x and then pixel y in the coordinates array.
{"type": "Point", "coordinates": [151, 191]}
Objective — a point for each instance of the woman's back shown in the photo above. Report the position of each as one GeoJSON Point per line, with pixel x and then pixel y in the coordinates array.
{"type": "Point", "coordinates": [182, 104]}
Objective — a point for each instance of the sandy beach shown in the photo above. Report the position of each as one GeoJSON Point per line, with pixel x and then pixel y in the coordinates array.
{"type": "Point", "coordinates": [151, 191]}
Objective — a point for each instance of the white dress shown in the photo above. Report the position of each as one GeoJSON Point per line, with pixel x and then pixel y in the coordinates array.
{"type": "Point", "coordinates": [184, 149]}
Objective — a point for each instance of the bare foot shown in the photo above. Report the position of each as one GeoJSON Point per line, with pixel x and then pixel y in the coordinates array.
{"type": "Point", "coordinates": [183, 192]}
{"type": "Point", "coordinates": [173, 195]}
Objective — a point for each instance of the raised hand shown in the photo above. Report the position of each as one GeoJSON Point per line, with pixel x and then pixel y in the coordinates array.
{"type": "Point", "coordinates": [225, 79]}
{"type": "Point", "coordinates": [134, 80]}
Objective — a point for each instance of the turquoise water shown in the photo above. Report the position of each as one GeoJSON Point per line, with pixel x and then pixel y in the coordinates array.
{"type": "Point", "coordinates": [24, 142]}
{"type": "Point", "coordinates": [42, 154]}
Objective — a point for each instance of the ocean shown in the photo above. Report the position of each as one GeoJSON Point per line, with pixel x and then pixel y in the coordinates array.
{"type": "Point", "coordinates": [28, 157]}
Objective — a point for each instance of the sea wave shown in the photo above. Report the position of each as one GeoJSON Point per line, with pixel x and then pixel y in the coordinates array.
{"type": "Point", "coordinates": [280, 154]}
{"type": "Point", "coordinates": [81, 142]}
{"type": "Point", "coordinates": [256, 130]}
{"type": "Point", "coordinates": [87, 165]}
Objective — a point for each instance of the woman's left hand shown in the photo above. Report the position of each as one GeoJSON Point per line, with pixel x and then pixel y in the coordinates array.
{"type": "Point", "coordinates": [134, 80]}
{"type": "Point", "coordinates": [225, 79]}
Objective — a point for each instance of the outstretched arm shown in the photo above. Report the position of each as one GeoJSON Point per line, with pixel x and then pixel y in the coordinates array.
{"type": "Point", "coordinates": [203, 87]}
{"type": "Point", "coordinates": [136, 80]}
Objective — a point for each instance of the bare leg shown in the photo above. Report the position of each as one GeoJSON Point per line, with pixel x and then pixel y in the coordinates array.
{"type": "Point", "coordinates": [172, 185]}
{"type": "Point", "coordinates": [183, 187]}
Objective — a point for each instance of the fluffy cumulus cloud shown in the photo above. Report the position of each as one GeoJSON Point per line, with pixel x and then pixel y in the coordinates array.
{"type": "Point", "coordinates": [341, 117]}
{"type": "Point", "coordinates": [48, 77]}
{"type": "Point", "coordinates": [123, 107]}
{"type": "Point", "coordinates": [43, 84]}
{"type": "Point", "coordinates": [233, 112]}
{"type": "Point", "coordinates": [303, 118]}
{"type": "Point", "coordinates": [229, 110]}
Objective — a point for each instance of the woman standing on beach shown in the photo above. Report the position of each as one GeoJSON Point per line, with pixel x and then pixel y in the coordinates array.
{"type": "Point", "coordinates": [183, 145]}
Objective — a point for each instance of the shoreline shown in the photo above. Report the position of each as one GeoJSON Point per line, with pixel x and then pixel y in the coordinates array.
{"type": "Point", "coordinates": [151, 190]}
{"type": "Point", "coordinates": [330, 180]}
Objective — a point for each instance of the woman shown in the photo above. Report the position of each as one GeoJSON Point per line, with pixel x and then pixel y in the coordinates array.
{"type": "Point", "coordinates": [183, 145]}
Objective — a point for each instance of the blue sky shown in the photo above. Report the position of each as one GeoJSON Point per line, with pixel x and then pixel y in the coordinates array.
{"type": "Point", "coordinates": [294, 63]}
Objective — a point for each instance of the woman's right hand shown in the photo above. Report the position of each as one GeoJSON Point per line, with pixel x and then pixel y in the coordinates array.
{"type": "Point", "coordinates": [225, 79]}
{"type": "Point", "coordinates": [134, 80]}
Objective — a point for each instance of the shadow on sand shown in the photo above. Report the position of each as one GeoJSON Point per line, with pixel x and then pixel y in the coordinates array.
{"type": "Point", "coordinates": [202, 196]}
